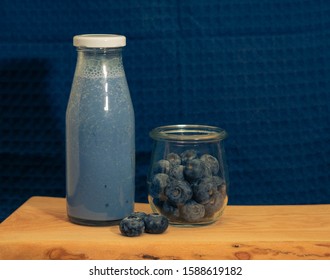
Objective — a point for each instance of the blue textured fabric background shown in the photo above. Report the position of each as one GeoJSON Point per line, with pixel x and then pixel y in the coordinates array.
{"type": "Point", "coordinates": [258, 68]}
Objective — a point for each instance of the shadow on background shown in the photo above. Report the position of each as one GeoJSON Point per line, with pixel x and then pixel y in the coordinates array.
{"type": "Point", "coordinates": [32, 158]}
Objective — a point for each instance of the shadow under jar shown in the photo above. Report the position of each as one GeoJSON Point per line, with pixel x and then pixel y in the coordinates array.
{"type": "Point", "coordinates": [187, 179]}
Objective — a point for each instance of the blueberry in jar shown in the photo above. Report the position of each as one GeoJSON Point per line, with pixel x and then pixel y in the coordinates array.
{"type": "Point", "coordinates": [223, 190]}
{"type": "Point", "coordinates": [176, 172]}
{"type": "Point", "coordinates": [162, 166]}
{"type": "Point", "coordinates": [178, 192]}
{"type": "Point", "coordinates": [218, 182]}
{"type": "Point", "coordinates": [214, 205]}
{"type": "Point", "coordinates": [174, 159]}
{"type": "Point", "coordinates": [211, 162]}
{"type": "Point", "coordinates": [192, 211]}
{"type": "Point", "coordinates": [157, 202]}
{"type": "Point", "coordinates": [159, 182]}
{"type": "Point", "coordinates": [196, 169]}
{"type": "Point", "coordinates": [170, 210]}
{"type": "Point", "coordinates": [203, 190]}
{"type": "Point", "coordinates": [188, 155]}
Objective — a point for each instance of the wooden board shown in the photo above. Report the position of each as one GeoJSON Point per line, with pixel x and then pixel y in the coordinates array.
{"type": "Point", "coordinates": [39, 229]}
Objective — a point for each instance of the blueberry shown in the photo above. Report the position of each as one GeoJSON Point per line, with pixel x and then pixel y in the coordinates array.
{"type": "Point", "coordinates": [204, 190]}
{"type": "Point", "coordinates": [159, 182]}
{"type": "Point", "coordinates": [140, 215]}
{"type": "Point", "coordinates": [170, 211]}
{"type": "Point", "coordinates": [188, 155]}
{"type": "Point", "coordinates": [192, 211]}
{"type": "Point", "coordinates": [196, 169]}
{"type": "Point", "coordinates": [173, 158]}
{"type": "Point", "coordinates": [211, 162]}
{"type": "Point", "coordinates": [162, 166]}
{"type": "Point", "coordinates": [223, 190]}
{"type": "Point", "coordinates": [178, 192]}
{"type": "Point", "coordinates": [214, 205]}
{"type": "Point", "coordinates": [157, 202]}
{"type": "Point", "coordinates": [176, 172]}
{"type": "Point", "coordinates": [155, 223]}
{"type": "Point", "coordinates": [131, 226]}
{"type": "Point", "coordinates": [218, 181]}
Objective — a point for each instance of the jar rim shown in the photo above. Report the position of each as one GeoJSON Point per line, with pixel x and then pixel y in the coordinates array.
{"type": "Point", "coordinates": [188, 132]}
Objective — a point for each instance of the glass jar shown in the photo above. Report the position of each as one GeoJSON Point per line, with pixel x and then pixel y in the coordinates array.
{"type": "Point", "coordinates": [100, 134]}
{"type": "Point", "coordinates": [187, 178]}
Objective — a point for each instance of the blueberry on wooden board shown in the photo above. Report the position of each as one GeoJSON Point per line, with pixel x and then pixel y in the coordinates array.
{"type": "Point", "coordinates": [131, 226]}
{"type": "Point", "coordinates": [140, 215]}
{"type": "Point", "coordinates": [155, 223]}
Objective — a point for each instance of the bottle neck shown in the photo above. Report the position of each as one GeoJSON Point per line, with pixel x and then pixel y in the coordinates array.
{"type": "Point", "coordinates": [99, 62]}
{"type": "Point", "coordinates": [99, 51]}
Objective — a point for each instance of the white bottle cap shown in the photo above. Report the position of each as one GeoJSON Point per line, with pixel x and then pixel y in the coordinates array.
{"type": "Point", "coordinates": [99, 41]}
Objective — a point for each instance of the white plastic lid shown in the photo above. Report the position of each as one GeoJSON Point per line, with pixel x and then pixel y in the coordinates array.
{"type": "Point", "coordinates": [99, 41]}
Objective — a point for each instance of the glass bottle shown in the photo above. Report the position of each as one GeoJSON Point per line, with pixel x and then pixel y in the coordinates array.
{"type": "Point", "coordinates": [100, 134]}
{"type": "Point", "coordinates": [188, 179]}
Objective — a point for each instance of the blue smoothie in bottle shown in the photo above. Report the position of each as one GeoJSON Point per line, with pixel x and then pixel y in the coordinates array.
{"type": "Point", "coordinates": [100, 140]}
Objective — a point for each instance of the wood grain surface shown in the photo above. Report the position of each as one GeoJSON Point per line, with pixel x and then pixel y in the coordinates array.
{"type": "Point", "coordinates": [39, 229]}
